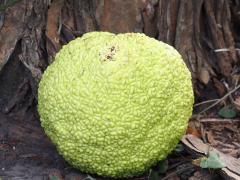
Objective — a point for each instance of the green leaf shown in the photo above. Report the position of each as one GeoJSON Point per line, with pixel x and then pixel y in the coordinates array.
{"type": "Point", "coordinates": [227, 112]}
{"type": "Point", "coordinates": [212, 161]}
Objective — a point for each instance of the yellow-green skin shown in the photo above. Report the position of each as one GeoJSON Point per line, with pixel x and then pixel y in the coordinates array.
{"type": "Point", "coordinates": [114, 105]}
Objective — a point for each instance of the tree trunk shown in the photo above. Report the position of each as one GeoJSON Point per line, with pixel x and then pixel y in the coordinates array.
{"type": "Point", "coordinates": [205, 32]}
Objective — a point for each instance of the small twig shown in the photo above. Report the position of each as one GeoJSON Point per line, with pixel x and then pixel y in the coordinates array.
{"type": "Point", "coordinates": [225, 50]}
{"type": "Point", "coordinates": [221, 99]}
{"type": "Point", "coordinates": [205, 102]}
{"type": "Point", "coordinates": [219, 120]}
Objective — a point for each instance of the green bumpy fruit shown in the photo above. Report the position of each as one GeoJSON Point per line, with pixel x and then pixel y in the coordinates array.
{"type": "Point", "coordinates": [114, 105]}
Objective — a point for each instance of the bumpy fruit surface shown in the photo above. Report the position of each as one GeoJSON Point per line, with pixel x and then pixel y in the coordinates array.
{"type": "Point", "coordinates": [114, 105]}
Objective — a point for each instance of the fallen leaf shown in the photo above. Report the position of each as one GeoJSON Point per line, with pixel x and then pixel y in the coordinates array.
{"type": "Point", "coordinates": [212, 161]}
{"type": "Point", "coordinates": [210, 138]}
{"type": "Point", "coordinates": [227, 112]}
{"type": "Point", "coordinates": [220, 87]}
{"type": "Point", "coordinates": [193, 127]}
{"type": "Point", "coordinates": [193, 131]}
{"type": "Point", "coordinates": [200, 148]}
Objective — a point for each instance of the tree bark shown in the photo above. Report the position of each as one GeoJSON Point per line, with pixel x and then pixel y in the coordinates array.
{"type": "Point", "coordinates": [205, 32]}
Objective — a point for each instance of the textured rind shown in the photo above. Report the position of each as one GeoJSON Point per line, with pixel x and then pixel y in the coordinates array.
{"type": "Point", "coordinates": [114, 105]}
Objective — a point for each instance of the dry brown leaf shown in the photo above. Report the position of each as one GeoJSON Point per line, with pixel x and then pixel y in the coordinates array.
{"type": "Point", "coordinates": [210, 138]}
{"type": "Point", "coordinates": [222, 134]}
{"type": "Point", "coordinates": [220, 87]}
{"type": "Point", "coordinates": [232, 164]}
{"type": "Point", "coordinates": [228, 173]}
{"type": "Point", "coordinates": [193, 131]}
{"type": "Point", "coordinates": [193, 128]}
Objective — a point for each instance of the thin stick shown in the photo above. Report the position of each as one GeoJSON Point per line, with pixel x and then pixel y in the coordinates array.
{"type": "Point", "coordinates": [221, 99]}
{"type": "Point", "coordinates": [225, 49]}
{"type": "Point", "coordinates": [205, 102]}
{"type": "Point", "coordinates": [219, 120]}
